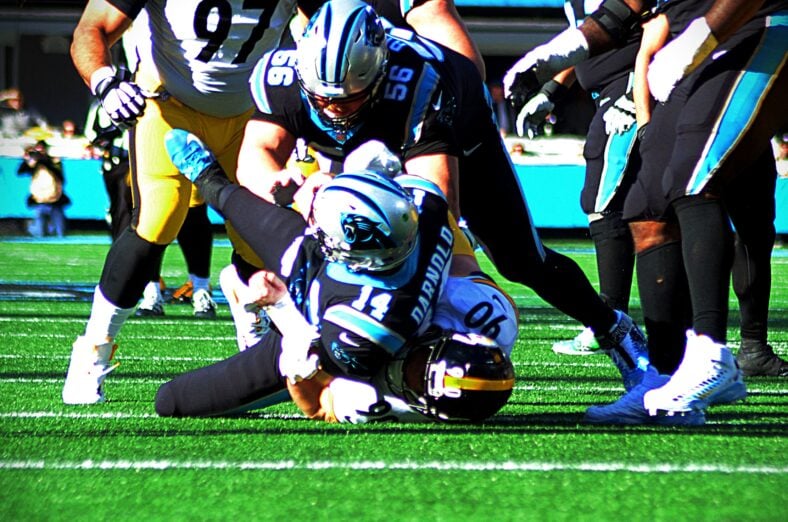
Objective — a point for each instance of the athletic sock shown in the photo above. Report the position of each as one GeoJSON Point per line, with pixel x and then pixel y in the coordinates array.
{"type": "Point", "coordinates": [664, 297]}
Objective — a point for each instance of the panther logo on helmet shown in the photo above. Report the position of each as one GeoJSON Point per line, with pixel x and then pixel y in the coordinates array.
{"type": "Point", "coordinates": [364, 234]}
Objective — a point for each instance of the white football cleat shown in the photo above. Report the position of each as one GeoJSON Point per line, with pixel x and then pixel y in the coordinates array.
{"type": "Point", "coordinates": [708, 375]}
{"type": "Point", "coordinates": [204, 305]}
{"type": "Point", "coordinates": [152, 304]}
{"type": "Point", "coordinates": [87, 370]}
{"type": "Point", "coordinates": [584, 343]}
{"type": "Point", "coordinates": [251, 322]}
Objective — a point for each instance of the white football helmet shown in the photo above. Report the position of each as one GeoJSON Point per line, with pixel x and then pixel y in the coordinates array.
{"type": "Point", "coordinates": [342, 56]}
{"type": "Point", "coordinates": [365, 220]}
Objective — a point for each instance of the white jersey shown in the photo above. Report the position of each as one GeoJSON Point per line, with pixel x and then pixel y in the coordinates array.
{"type": "Point", "coordinates": [204, 52]}
{"type": "Point", "coordinates": [475, 304]}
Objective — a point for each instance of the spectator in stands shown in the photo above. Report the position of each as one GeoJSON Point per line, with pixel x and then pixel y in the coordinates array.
{"type": "Point", "coordinates": [15, 118]}
{"type": "Point", "coordinates": [46, 198]}
{"type": "Point", "coordinates": [502, 108]}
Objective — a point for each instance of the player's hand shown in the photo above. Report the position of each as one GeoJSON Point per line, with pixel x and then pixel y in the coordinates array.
{"type": "Point", "coordinates": [123, 100]}
{"type": "Point", "coordinates": [533, 115]}
{"type": "Point", "coordinates": [620, 116]}
{"type": "Point", "coordinates": [265, 288]}
{"type": "Point", "coordinates": [679, 58]}
{"type": "Point", "coordinates": [302, 200]}
{"type": "Point", "coordinates": [540, 64]}
{"type": "Point", "coordinates": [295, 363]}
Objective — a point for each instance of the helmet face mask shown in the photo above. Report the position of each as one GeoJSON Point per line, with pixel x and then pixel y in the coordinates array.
{"type": "Point", "coordinates": [450, 376]}
{"type": "Point", "coordinates": [365, 221]}
{"type": "Point", "coordinates": [342, 59]}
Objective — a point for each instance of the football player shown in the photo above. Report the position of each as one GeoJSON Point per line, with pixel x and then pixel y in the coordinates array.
{"type": "Point", "coordinates": [427, 104]}
{"type": "Point", "coordinates": [365, 277]}
{"type": "Point", "coordinates": [358, 298]}
{"type": "Point", "coordinates": [195, 76]}
{"type": "Point", "coordinates": [720, 82]}
{"type": "Point", "coordinates": [610, 168]}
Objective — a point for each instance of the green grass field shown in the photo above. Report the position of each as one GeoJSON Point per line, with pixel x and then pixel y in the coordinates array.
{"type": "Point", "coordinates": [534, 461]}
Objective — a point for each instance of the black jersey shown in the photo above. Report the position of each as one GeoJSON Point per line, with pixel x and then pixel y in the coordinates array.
{"type": "Point", "coordinates": [596, 73]}
{"type": "Point", "coordinates": [363, 317]}
{"type": "Point", "coordinates": [415, 112]}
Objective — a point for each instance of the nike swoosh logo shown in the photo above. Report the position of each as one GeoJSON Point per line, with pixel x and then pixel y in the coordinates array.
{"type": "Point", "coordinates": [468, 152]}
{"type": "Point", "coordinates": [343, 336]}
{"type": "Point", "coordinates": [437, 104]}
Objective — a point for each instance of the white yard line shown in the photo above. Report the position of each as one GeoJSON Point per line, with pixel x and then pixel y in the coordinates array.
{"type": "Point", "coordinates": [320, 465]}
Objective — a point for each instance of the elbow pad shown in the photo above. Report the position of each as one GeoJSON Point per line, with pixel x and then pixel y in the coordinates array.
{"type": "Point", "coordinates": [617, 19]}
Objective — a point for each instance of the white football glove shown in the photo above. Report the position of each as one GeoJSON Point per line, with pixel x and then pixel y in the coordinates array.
{"type": "Point", "coordinates": [620, 116]}
{"type": "Point", "coordinates": [679, 58]}
{"type": "Point", "coordinates": [295, 361]}
{"type": "Point", "coordinates": [533, 115]}
{"type": "Point", "coordinates": [540, 64]}
{"type": "Point", "coordinates": [123, 100]}
{"type": "Point", "coordinates": [373, 155]}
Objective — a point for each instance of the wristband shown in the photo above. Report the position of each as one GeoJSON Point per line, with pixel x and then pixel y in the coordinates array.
{"type": "Point", "coordinates": [99, 76]}
{"type": "Point", "coordinates": [554, 90]}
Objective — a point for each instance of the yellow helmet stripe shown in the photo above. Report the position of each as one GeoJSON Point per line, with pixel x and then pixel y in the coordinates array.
{"type": "Point", "coordinates": [476, 384]}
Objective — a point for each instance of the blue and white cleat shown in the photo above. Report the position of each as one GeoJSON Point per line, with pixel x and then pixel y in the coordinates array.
{"type": "Point", "coordinates": [189, 155]}
{"type": "Point", "coordinates": [629, 409]}
{"type": "Point", "coordinates": [708, 375]}
{"type": "Point", "coordinates": [627, 346]}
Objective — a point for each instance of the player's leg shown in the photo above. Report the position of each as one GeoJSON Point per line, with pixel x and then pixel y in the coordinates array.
{"type": "Point", "coordinates": [246, 381]}
{"type": "Point", "coordinates": [728, 117]}
{"type": "Point", "coordinates": [607, 180]}
{"type": "Point", "coordinates": [196, 242]}
{"type": "Point", "coordinates": [161, 198]}
{"type": "Point", "coordinates": [520, 256]}
{"type": "Point", "coordinates": [751, 204]}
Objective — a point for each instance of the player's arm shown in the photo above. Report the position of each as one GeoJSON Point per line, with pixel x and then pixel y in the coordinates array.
{"type": "Point", "coordinates": [100, 26]}
{"type": "Point", "coordinates": [263, 157]}
{"type": "Point", "coordinates": [655, 34]}
{"type": "Point", "coordinates": [695, 43]}
{"type": "Point", "coordinates": [441, 169]}
{"type": "Point", "coordinates": [439, 21]}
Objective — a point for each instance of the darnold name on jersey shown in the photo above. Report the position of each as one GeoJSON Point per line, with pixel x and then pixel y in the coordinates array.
{"type": "Point", "coordinates": [434, 274]}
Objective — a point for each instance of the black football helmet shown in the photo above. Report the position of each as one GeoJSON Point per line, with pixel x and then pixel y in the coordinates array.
{"type": "Point", "coordinates": [451, 376]}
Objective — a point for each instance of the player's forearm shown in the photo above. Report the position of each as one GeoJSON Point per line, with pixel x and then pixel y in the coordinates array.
{"type": "Point", "coordinates": [90, 51]}
{"type": "Point", "coordinates": [655, 34]}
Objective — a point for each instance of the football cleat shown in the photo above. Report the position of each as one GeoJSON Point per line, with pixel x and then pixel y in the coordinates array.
{"type": "Point", "coordinates": [626, 345]}
{"type": "Point", "coordinates": [629, 409]}
{"type": "Point", "coordinates": [757, 358]}
{"type": "Point", "coordinates": [251, 321]}
{"type": "Point", "coordinates": [187, 153]}
{"type": "Point", "coordinates": [584, 344]}
{"type": "Point", "coordinates": [708, 375]}
{"type": "Point", "coordinates": [87, 370]}
{"type": "Point", "coordinates": [152, 304]}
{"type": "Point", "coordinates": [204, 306]}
